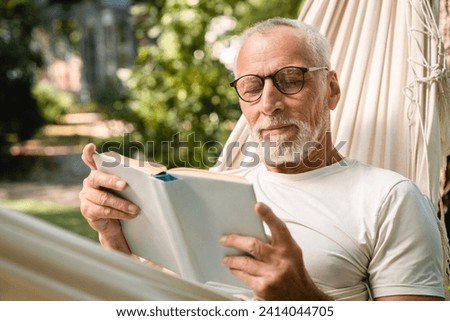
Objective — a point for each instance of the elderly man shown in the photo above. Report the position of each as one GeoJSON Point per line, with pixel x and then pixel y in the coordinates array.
{"type": "Point", "coordinates": [341, 229]}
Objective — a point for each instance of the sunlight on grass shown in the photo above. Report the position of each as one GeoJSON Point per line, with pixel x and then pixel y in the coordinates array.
{"type": "Point", "coordinates": [66, 217]}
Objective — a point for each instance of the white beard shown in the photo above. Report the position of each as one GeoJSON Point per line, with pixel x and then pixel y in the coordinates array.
{"type": "Point", "coordinates": [277, 150]}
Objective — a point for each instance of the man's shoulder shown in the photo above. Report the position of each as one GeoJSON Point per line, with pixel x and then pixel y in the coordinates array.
{"type": "Point", "coordinates": [376, 180]}
{"type": "Point", "coordinates": [373, 172]}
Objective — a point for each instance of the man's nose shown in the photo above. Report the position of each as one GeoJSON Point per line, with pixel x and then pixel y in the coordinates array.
{"type": "Point", "coordinates": [270, 98]}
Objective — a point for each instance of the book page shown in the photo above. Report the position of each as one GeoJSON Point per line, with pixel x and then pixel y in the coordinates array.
{"type": "Point", "coordinates": [183, 171]}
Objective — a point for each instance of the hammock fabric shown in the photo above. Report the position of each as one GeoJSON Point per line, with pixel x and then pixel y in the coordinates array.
{"type": "Point", "coordinates": [39, 261]}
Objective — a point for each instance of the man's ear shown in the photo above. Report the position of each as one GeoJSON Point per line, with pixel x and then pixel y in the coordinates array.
{"type": "Point", "coordinates": [334, 91]}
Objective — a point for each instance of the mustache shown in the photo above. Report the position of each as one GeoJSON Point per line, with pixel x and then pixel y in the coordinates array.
{"type": "Point", "coordinates": [273, 122]}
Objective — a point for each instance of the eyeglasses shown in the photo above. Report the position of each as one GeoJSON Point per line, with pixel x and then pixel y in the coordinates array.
{"type": "Point", "coordinates": [288, 80]}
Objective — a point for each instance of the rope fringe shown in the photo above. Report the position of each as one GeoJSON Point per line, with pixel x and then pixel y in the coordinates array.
{"type": "Point", "coordinates": [426, 74]}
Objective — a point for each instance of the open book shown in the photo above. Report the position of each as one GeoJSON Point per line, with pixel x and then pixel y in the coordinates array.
{"type": "Point", "coordinates": [183, 214]}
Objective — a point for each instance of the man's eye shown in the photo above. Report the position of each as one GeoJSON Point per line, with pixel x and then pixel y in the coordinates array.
{"type": "Point", "coordinates": [290, 83]}
{"type": "Point", "coordinates": [251, 87]}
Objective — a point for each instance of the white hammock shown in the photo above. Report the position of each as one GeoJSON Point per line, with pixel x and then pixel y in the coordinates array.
{"type": "Point", "coordinates": [39, 261]}
{"type": "Point", "coordinates": [395, 88]}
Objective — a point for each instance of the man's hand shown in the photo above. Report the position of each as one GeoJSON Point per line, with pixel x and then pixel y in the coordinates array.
{"type": "Point", "coordinates": [101, 208]}
{"type": "Point", "coordinates": [275, 270]}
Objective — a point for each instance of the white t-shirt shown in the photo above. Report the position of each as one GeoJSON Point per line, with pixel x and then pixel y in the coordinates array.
{"type": "Point", "coordinates": [365, 232]}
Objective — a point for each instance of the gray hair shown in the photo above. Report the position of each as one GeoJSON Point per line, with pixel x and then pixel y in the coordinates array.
{"type": "Point", "coordinates": [317, 43]}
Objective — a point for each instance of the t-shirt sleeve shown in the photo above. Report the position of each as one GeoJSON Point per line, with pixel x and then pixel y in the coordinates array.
{"type": "Point", "coordinates": [407, 257]}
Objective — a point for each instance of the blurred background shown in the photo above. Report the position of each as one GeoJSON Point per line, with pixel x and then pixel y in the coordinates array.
{"type": "Point", "coordinates": [146, 78]}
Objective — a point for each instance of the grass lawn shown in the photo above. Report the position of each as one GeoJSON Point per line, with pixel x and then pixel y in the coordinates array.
{"type": "Point", "coordinates": [64, 216]}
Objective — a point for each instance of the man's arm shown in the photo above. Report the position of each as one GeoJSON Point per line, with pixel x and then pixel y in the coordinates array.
{"type": "Point", "coordinates": [407, 256]}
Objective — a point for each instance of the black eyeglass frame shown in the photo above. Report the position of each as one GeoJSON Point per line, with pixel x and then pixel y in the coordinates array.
{"type": "Point", "coordinates": [272, 76]}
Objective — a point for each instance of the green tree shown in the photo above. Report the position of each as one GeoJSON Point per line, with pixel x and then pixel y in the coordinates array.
{"type": "Point", "coordinates": [179, 97]}
{"type": "Point", "coordinates": [20, 117]}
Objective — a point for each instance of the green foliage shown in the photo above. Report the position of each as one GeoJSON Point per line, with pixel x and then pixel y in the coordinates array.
{"type": "Point", "coordinates": [52, 103]}
{"type": "Point", "coordinates": [19, 62]}
{"type": "Point", "coordinates": [179, 94]}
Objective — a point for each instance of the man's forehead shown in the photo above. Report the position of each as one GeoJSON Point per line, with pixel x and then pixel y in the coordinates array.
{"type": "Point", "coordinates": [281, 45]}
{"type": "Point", "coordinates": [282, 37]}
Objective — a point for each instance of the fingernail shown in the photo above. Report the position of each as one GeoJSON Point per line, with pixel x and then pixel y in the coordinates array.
{"type": "Point", "coordinates": [133, 209]}
{"type": "Point", "coordinates": [121, 184]}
